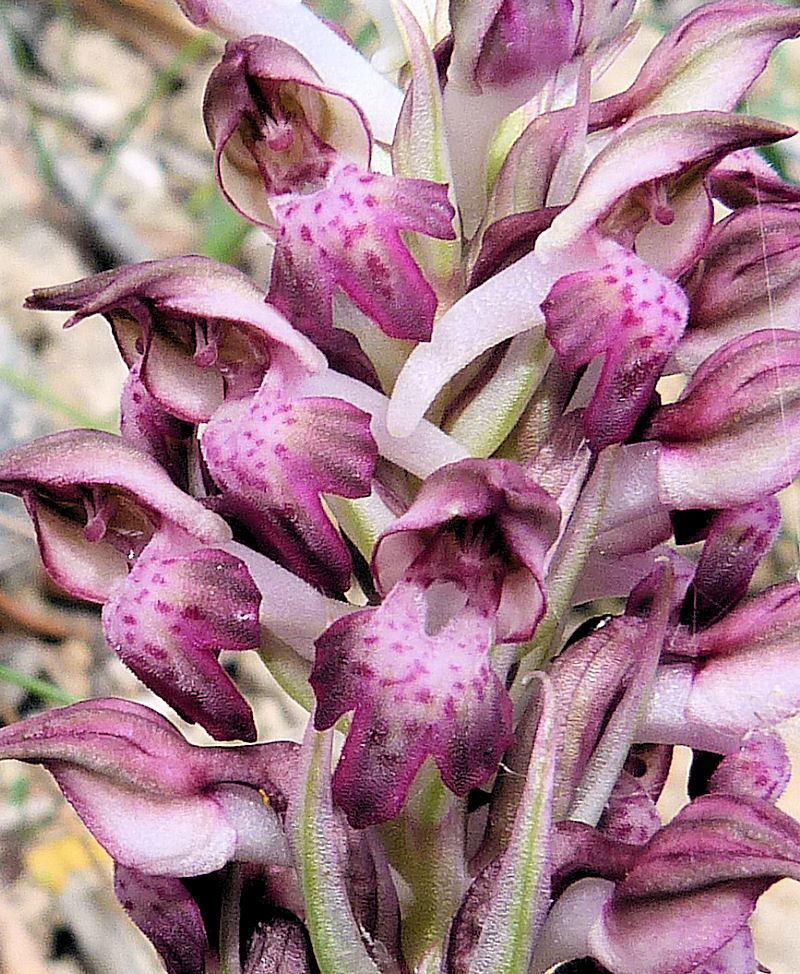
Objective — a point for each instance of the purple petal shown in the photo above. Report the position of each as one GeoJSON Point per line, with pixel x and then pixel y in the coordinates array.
{"type": "Point", "coordinates": [163, 909]}
{"type": "Point", "coordinates": [171, 618]}
{"type": "Point", "coordinates": [672, 935]}
{"type": "Point", "coordinates": [750, 279]}
{"type": "Point", "coordinates": [201, 330]}
{"type": "Point", "coordinates": [745, 680]}
{"type": "Point", "coordinates": [418, 688]}
{"type": "Point", "coordinates": [148, 427]}
{"type": "Point", "coordinates": [737, 540]}
{"type": "Point", "coordinates": [347, 235]}
{"type": "Point", "coordinates": [155, 802]}
{"type": "Point", "coordinates": [682, 73]}
{"type": "Point", "coordinates": [760, 768]}
{"type": "Point", "coordinates": [510, 508]}
{"type": "Point", "coordinates": [335, 59]}
{"type": "Point", "coordinates": [731, 437]}
{"type": "Point", "coordinates": [273, 457]}
{"type": "Point", "coordinates": [652, 149]}
{"type": "Point", "coordinates": [521, 40]}
{"type": "Point", "coordinates": [275, 128]}
{"type": "Point", "coordinates": [745, 177]}
{"type": "Point", "coordinates": [630, 314]}
{"type": "Point", "coordinates": [630, 815]}
{"type": "Point", "coordinates": [96, 502]}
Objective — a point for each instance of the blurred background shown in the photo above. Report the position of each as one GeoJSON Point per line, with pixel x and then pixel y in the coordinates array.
{"type": "Point", "coordinates": [104, 161]}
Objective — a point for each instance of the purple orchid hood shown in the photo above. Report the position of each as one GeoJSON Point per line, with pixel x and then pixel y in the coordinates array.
{"type": "Point", "coordinates": [189, 809]}
{"type": "Point", "coordinates": [146, 550]}
{"type": "Point", "coordinates": [200, 332]}
{"type": "Point", "coordinates": [742, 400]}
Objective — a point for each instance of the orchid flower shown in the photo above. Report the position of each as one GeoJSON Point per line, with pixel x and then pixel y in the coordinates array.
{"type": "Point", "coordinates": [433, 474]}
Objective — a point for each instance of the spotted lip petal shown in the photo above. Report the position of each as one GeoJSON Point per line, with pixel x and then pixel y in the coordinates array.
{"type": "Point", "coordinates": [417, 669]}
{"type": "Point", "coordinates": [631, 315]}
{"type": "Point", "coordinates": [179, 607]}
{"type": "Point", "coordinates": [187, 810]}
{"type": "Point", "coordinates": [273, 457]}
{"type": "Point", "coordinates": [347, 235]}
{"type": "Point", "coordinates": [415, 693]}
{"type": "Point", "coordinates": [199, 330]}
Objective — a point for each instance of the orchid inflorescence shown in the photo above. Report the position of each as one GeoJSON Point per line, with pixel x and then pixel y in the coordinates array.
{"type": "Point", "coordinates": [405, 472]}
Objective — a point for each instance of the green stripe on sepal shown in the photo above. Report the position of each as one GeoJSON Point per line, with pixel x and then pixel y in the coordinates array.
{"type": "Point", "coordinates": [317, 845]}
{"type": "Point", "coordinates": [521, 894]}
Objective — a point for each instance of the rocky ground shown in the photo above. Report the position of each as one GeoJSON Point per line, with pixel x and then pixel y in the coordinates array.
{"type": "Point", "coordinates": [104, 161]}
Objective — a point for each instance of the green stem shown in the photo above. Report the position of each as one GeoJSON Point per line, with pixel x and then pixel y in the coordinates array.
{"type": "Point", "coordinates": [565, 570]}
{"type": "Point", "coordinates": [426, 845]}
{"type": "Point", "coordinates": [38, 688]}
{"type": "Point", "coordinates": [230, 919]}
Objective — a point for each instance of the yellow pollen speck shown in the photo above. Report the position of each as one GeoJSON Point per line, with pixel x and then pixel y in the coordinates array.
{"type": "Point", "coordinates": [265, 797]}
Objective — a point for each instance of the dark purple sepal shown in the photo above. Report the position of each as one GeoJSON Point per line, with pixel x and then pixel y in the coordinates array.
{"type": "Point", "coordinates": [279, 945]}
{"type": "Point", "coordinates": [96, 502]}
{"type": "Point", "coordinates": [148, 427]}
{"type": "Point", "coordinates": [737, 540]}
{"type": "Point", "coordinates": [682, 73]}
{"type": "Point", "coordinates": [155, 802]}
{"type": "Point", "coordinates": [745, 178]}
{"type": "Point", "coordinates": [273, 456]}
{"type": "Point", "coordinates": [179, 607]}
{"type": "Point", "coordinates": [749, 278]}
{"type": "Point", "coordinates": [506, 43]}
{"type": "Point", "coordinates": [166, 913]}
{"type": "Point", "coordinates": [508, 239]}
{"type": "Point", "coordinates": [347, 235]}
{"type": "Point", "coordinates": [468, 923]}
{"type": "Point", "coordinates": [418, 689]}
{"type": "Point", "coordinates": [522, 40]}
{"type": "Point", "coordinates": [732, 436]}
{"type": "Point", "coordinates": [200, 330]}
{"type": "Point", "coordinates": [630, 314]}
{"type": "Point", "coordinates": [587, 679]}
{"type": "Point", "coordinates": [493, 503]}
{"type": "Point", "coordinates": [760, 768]}
{"type": "Point", "coordinates": [768, 621]}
